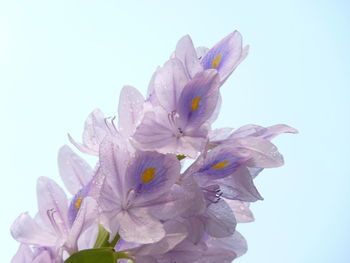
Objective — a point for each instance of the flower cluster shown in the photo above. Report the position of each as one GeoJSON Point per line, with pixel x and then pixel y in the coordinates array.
{"type": "Point", "coordinates": [166, 187]}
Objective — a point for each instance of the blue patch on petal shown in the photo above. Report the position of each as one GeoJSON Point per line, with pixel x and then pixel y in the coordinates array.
{"type": "Point", "coordinates": [76, 202]}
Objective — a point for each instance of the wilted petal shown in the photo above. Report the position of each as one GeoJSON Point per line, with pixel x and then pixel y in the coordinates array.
{"type": "Point", "coordinates": [220, 220]}
{"type": "Point", "coordinates": [130, 110]}
{"type": "Point", "coordinates": [27, 231]}
{"type": "Point", "coordinates": [74, 170]}
{"type": "Point", "coordinates": [136, 225]}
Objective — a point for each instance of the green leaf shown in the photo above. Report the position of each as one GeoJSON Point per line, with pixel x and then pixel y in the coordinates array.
{"type": "Point", "coordinates": [180, 157]}
{"type": "Point", "coordinates": [103, 237]}
{"type": "Point", "coordinates": [95, 255]}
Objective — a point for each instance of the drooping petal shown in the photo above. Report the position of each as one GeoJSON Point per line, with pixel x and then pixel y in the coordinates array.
{"type": "Point", "coordinates": [136, 225]}
{"type": "Point", "coordinates": [74, 170]}
{"type": "Point", "coordinates": [198, 99]}
{"type": "Point", "coordinates": [169, 82]}
{"type": "Point", "coordinates": [130, 110]}
{"type": "Point", "coordinates": [220, 220]}
{"type": "Point", "coordinates": [225, 55]}
{"type": "Point", "coordinates": [187, 54]}
{"type": "Point", "coordinates": [27, 231]}
{"type": "Point", "coordinates": [52, 204]}
{"type": "Point", "coordinates": [151, 174]}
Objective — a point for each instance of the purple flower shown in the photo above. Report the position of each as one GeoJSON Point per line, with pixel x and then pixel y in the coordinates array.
{"type": "Point", "coordinates": [51, 227]}
{"type": "Point", "coordinates": [225, 56]}
{"type": "Point", "coordinates": [179, 124]}
{"type": "Point", "coordinates": [40, 255]}
{"type": "Point", "coordinates": [134, 183]}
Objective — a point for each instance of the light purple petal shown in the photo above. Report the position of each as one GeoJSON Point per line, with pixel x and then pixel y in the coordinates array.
{"type": "Point", "coordinates": [235, 243]}
{"type": "Point", "coordinates": [27, 231]}
{"type": "Point", "coordinates": [239, 186]}
{"type": "Point", "coordinates": [86, 216]}
{"type": "Point", "coordinates": [151, 174]}
{"type": "Point", "coordinates": [23, 255]}
{"type": "Point", "coordinates": [44, 257]}
{"type": "Point", "coordinates": [52, 204]}
{"type": "Point", "coordinates": [136, 225]}
{"type": "Point", "coordinates": [175, 233]}
{"type": "Point", "coordinates": [169, 82]}
{"type": "Point", "coordinates": [241, 211]}
{"type": "Point", "coordinates": [198, 99]}
{"type": "Point", "coordinates": [225, 55]}
{"type": "Point", "coordinates": [74, 170]}
{"type": "Point", "coordinates": [263, 153]}
{"type": "Point", "coordinates": [130, 110]}
{"type": "Point", "coordinates": [187, 54]}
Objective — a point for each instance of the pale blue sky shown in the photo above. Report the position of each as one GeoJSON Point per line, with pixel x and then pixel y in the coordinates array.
{"type": "Point", "coordinates": [61, 59]}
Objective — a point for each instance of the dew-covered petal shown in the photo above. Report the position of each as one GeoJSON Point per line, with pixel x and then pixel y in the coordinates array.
{"type": "Point", "coordinates": [27, 231]}
{"type": "Point", "coordinates": [175, 233]}
{"type": "Point", "coordinates": [241, 211]}
{"type": "Point", "coordinates": [23, 255]}
{"type": "Point", "coordinates": [136, 225]}
{"type": "Point", "coordinates": [74, 170]}
{"type": "Point", "coordinates": [52, 204]}
{"type": "Point", "coordinates": [169, 82]}
{"type": "Point", "coordinates": [186, 52]}
{"type": "Point", "coordinates": [151, 174]}
{"type": "Point", "coordinates": [220, 220]}
{"type": "Point", "coordinates": [239, 186]}
{"type": "Point", "coordinates": [130, 110]}
{"type": "Point", "coordinates": [225, 55]}
{"type": "Point", "coordinates": [263, 153]}
{"type": "Point", "coordinates": [199, 99]}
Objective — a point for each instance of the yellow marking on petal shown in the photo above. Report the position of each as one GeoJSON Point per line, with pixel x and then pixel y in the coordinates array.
{"type": "Point", "coordinates": [216, 61]}
{"type": "Point", "coordinates": [78, 203]}
{"type": "Point", "coordinates": [148, 175]}
{"type": "Point", "coordinates": [195, 103]}
{"type": "Point", "coordinates": [220, 165]}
